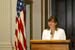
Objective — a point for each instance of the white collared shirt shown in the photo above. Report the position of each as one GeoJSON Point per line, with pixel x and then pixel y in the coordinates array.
{"type": "Point", "coordinates": [58, 35]}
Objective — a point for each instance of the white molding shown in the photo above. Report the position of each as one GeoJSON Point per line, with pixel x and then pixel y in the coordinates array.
{"type": "Point", "coordinates": [43, 14]}
{"type": "Point", "coordinates": [5, 45]}
{"type": "Point", "coordinates": [49, 8]}
{"type": "Point", "coordinates": [36, 19]}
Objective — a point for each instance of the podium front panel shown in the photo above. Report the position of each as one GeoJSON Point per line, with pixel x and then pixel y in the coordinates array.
{"type": "Point", "coordinates": [50, 45]}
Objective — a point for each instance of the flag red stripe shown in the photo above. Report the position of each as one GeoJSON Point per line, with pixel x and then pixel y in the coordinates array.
{"type": "Point", "coordinates": [25, 43]}
{"type": "Point", "coordinates": [16, 33]}
{"type": "Point", "coordinates": [16, 45]}
{"type": "Point", "coordinates": [20, 42]}
{"type": "Point", "coordinates": [20, 45]}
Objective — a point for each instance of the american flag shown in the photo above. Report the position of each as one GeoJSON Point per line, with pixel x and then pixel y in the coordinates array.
{"type": "Point", "coordinates": [20, 35]}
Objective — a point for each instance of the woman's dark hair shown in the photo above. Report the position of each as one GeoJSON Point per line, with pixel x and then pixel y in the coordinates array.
{"type": "Point", "coordinates": [55, 20]}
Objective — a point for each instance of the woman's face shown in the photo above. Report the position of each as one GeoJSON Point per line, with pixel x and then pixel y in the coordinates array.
{"type": "Point", "coordinates": [52, 24]}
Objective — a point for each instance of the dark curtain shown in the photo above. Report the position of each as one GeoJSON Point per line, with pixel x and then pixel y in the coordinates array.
{"type": "Point", "coordinates": [64, 10]}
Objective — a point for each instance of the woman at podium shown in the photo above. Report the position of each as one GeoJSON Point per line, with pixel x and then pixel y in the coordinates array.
{"type": "Point", "coordinates": [53, 32]}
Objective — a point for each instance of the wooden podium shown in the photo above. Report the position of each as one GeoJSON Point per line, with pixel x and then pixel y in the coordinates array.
{"type": "Point", "coordinates": [49, 44]}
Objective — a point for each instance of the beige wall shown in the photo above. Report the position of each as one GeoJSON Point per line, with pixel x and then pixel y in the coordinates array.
{"type": "Point", "coordinates": [7, 22]}
{"type": "Point", "coordinates": [36, 15]}
{"type": "Point", "coordinates": [5, 25]}
{"type": "Point", "coordinates": [28, 25]}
